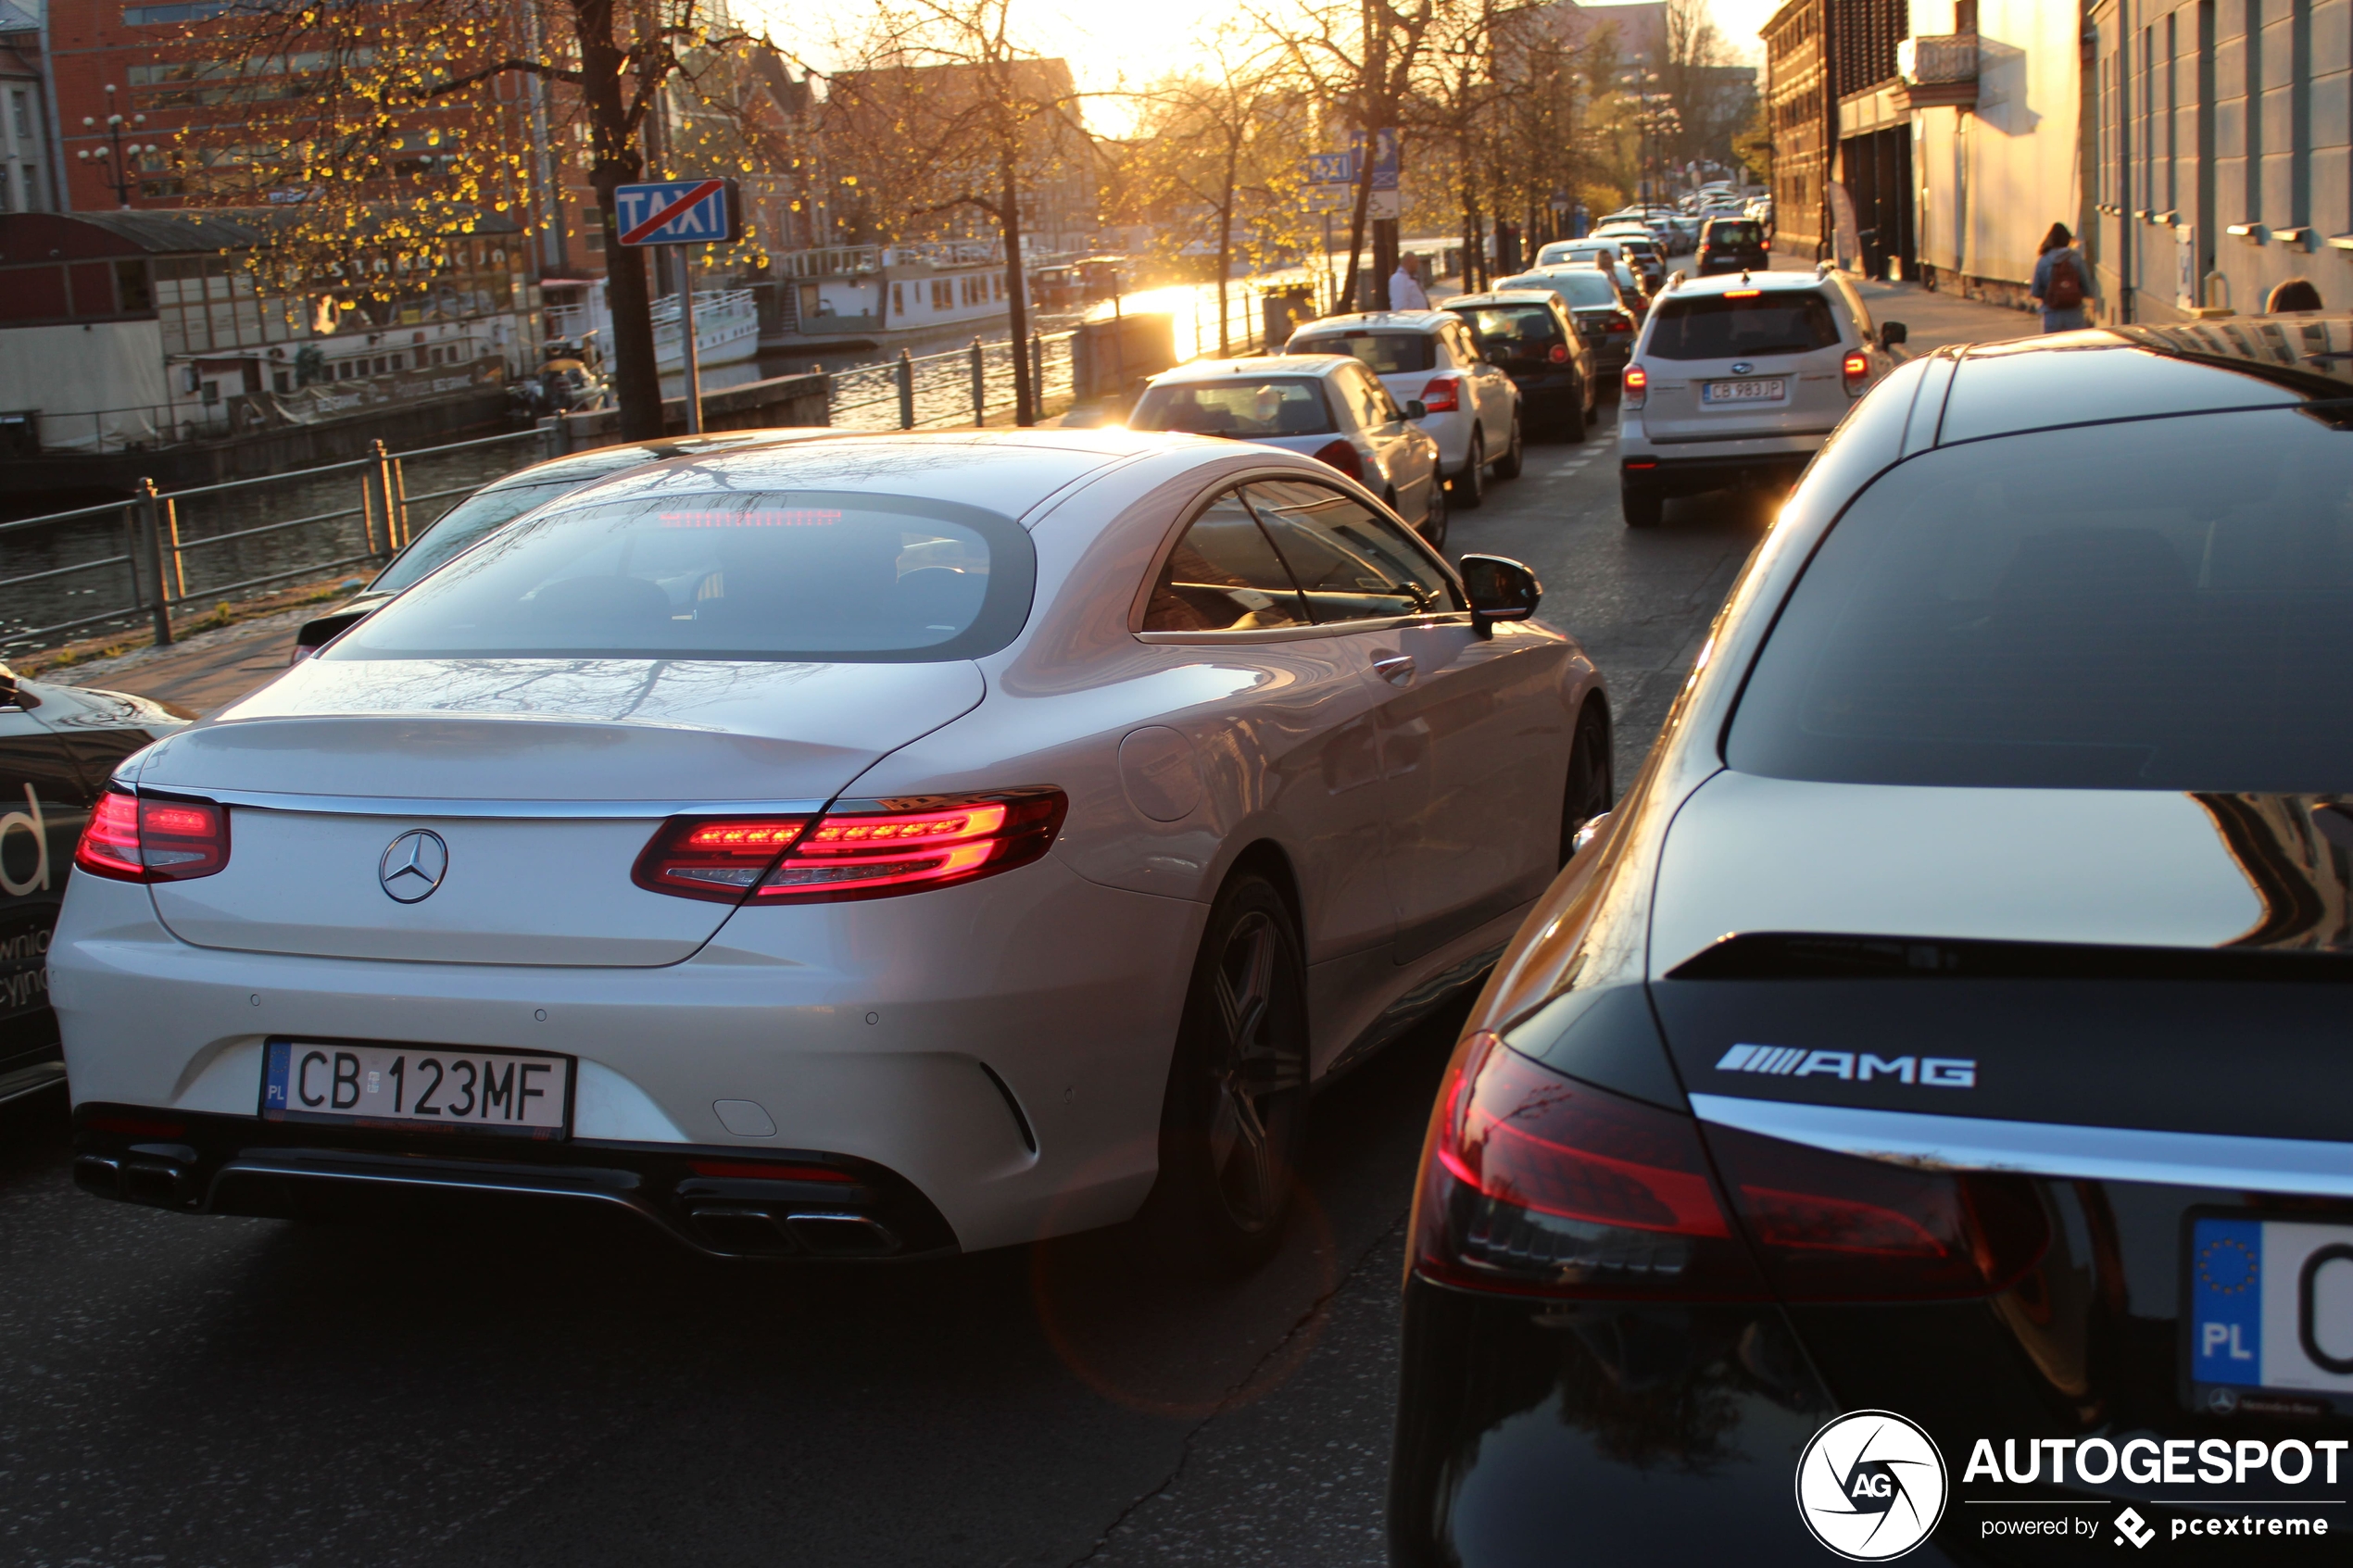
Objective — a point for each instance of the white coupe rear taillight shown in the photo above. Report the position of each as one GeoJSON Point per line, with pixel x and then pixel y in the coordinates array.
{"type": "Point", "coordinates": [1442, 396]}
{"type": "Point", "coordinates": [862, 849]}
{"type": "Point", "coordinates": [153, 838]}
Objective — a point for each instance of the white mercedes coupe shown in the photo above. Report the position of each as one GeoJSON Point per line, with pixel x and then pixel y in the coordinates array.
{"type": "Point", "coordinates": [868, 847]}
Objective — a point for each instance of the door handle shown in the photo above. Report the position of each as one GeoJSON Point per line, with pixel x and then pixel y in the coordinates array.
{"type": "Point", "coordinates": [1397, 668]}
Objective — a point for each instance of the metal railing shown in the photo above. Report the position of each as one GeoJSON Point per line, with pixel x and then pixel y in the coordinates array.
{"type": "Point", "coordinates": [960, 387]}
{"type": "Point", "coordinates": [162, 551]}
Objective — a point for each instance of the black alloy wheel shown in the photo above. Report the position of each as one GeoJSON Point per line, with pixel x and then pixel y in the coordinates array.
{"type": "Point", "coordinates": [1468, 487]}
{"type": "Point", "coordinates": [1508, 465]}
{"type": "Point", "coordinates": [1592, 787]}
{"type": "Point", "coordinates": [1236, 1109]}
{"type": "Point", "coordinates": [1573, 423]}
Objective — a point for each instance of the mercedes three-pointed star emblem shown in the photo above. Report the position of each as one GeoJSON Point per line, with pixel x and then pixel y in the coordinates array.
{"type": "Point", "coordinates": [414, 865]}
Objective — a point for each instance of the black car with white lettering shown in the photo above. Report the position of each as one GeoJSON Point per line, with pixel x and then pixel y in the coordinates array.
{"type": "Point", "coordinates": [1921, 1116]}
{"type": "Point", "coordinates": [58, 744]}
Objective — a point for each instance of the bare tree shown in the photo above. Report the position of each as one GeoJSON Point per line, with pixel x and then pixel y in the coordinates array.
{"type": "Point", "coordinates": [952, 112]}
{"type": "Point", "coordinates": [1361, 57]}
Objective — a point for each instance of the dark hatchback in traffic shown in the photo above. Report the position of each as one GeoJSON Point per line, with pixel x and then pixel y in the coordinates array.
{"type": "Point", "coordinates": [1923, 1110]}
{"type": "Point", "coordinates": [1527, 333]}
{"type": "Point", "coordinates": [1734, 244]}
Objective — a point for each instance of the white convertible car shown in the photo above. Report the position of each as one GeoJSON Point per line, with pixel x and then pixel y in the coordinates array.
{"type": "Point", "coordinates": [876, 845]}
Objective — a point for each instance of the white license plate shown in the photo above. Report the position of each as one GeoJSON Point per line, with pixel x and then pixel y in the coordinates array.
{"type": "Point", "coordinates": [416, 1085]}
{"type": "Point", "coordinates": [1772, 390]}
{"type": "Point", "coordinates": [2270, 1308]}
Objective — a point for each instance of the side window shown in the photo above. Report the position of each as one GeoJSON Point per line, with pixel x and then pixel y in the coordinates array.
{"type": "Point", "coordinates": [1856, 312]}
{"type": "Point", "coordinates": [1369, 398]}
{"type": "Point", "coordinates": [1222, 576]}
{"type": "Point", "coordinates": [1351, 562]}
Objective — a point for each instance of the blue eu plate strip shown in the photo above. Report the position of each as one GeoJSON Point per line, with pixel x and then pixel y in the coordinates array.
{"type": "Point", "coordinates": [2226, 1301]}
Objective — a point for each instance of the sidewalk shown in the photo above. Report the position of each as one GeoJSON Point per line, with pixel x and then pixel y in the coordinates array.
{"type": "Point", "coordinates": [1932, 320]}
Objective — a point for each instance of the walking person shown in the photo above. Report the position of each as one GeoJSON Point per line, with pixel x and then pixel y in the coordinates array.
{"type": "Point", "coordinates": [1405, 288]}
{"type": "Point", "coordinates": [2062, 286]}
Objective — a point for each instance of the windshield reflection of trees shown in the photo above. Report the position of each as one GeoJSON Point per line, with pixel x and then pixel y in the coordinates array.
{"type": "Point", "coordinates": [611, 690]}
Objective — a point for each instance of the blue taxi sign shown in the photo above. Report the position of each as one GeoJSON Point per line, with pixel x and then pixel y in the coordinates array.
{"type": "Point", "coordinates": [678, 212]}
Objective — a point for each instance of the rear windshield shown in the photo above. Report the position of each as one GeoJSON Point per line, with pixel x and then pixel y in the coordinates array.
{"type": "Point", "coordinates": [2163, 604]}
{"type": "Point", "coordinates": [1244, 407]}
{"type": "Point", "coordinates": [1725, 231]}
{"type": "Point", "coordinates": [1726, 326]}
{"type": "Point", "coordinates": [1386, 353]}
{"type": "Point", "coordinates": [464, 523]}
{"type": "Point", "coordinates": [1522, 329]}
{"type": "Point", "coordinates": [804, 575]}
{"type": "Point", "coordinates": [1581, 287]}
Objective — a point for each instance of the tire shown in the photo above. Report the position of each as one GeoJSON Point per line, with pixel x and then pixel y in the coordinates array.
{"type": "Point", "coordinates": [1508, 465]}
{"type": "Point", "coordinates": [1468, 487]}
{"type": "Point", "coordinates": [1592, 787]}
{"type": "Point", "coordinates": [1235, 1114]}
{"type": "Point", "coordinates": [1643, 509]}
{"type": "Point", "coordinates": [1573, 423]}
{"type": "Point", "coordinates": [1436, 519]}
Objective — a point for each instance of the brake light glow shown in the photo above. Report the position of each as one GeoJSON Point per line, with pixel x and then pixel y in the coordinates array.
{"type": "Point", "coordinates": [1537, 1183]}
{"type": "Point", "coordinates": [1836, 1228]}
{"type": "Point", "coordinates": [1856, 369]}
{"type": "Point", "coordinates": [860, 850]}
{"type": "Point", "coordinates": [1442, 396]}
{"type": "Point", "coordinates": [1343, 456]}
{"type": "Point", "coordinates": [1638, 386]}
{"type": "Point", "coordinates": [1558, 354]}
{"type": "Point", "coordinates": [1743, 294]}
{"type": "Point", "coordinates": [132, 838]}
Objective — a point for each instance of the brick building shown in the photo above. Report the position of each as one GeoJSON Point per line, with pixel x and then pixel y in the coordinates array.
{"type": "Point", "coordinates": [1836, 106]}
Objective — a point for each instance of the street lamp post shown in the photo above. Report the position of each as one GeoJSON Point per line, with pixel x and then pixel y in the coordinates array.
{"type": "Point", "coordinates": [114, 163]}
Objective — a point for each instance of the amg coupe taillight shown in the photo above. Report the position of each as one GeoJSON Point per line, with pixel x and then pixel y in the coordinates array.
{"type": "Point", "coordinates": [1558, 354]}
{"type": "Point", "coordinates": [1638, 386]}
{"type": "Point", "coordinates": [859, 849]}
{"type": "Point", "coordinates": [153, 838]}
{"type": "Point", "coordinates": [1857, 370]}
{"type": "Point", "coordinates": [1835, 1227]}
{"type": "Point", "coordinates": [1343, 456]}
{"type": "Point", "coordinates": [1536, 1182]}
{"type": "Point", "coordinates": [1442, 396]}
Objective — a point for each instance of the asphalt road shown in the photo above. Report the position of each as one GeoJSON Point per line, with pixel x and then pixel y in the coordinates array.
{"type": "Point", "coordinates": [188, 1391]}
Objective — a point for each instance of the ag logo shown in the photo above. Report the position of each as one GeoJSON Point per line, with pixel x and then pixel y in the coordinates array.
{"type": "Point", "coordinates": [1870, 1486]}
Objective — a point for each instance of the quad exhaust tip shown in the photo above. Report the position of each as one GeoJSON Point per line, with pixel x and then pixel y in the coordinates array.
{"type": "Point", "coordinates": [762, 1233]}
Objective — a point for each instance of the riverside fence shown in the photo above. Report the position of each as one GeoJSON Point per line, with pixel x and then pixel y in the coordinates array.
{"type": "Point", "coordinates": [126, 564]}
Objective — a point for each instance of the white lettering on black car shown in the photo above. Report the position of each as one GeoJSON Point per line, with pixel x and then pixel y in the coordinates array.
{"type": "Point", "coordinates": [1792, 1061]}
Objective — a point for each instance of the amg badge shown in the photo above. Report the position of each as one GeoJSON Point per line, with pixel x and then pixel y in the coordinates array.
{"type": "Point", "coordinates": [1792, 1061]}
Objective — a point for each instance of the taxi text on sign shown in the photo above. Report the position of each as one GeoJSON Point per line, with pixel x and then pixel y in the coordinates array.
{"type": "Point", "coordinates": [678, 212]}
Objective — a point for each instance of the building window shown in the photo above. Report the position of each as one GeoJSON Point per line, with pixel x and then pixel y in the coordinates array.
{"type": "Point", "coordinates": [942, 294]}
{"type": "Point", "coordinates": [163, 16]}
{"type": "Point", "coordinates": [898, 299]}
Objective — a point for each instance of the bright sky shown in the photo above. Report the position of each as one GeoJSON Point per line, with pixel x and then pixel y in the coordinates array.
{"type": "Point", "coordinates": [1105, 40]}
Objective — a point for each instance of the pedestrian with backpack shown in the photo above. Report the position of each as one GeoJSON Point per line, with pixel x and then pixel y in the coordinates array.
{"type": "Point", "coordinates": [2062, 282]}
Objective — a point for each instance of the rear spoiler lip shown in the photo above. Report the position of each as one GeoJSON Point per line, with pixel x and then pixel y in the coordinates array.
{"type": "Point", "coordinates": [1791, 955]}
{"type": "Point", "coordinates": [2233, 1162]}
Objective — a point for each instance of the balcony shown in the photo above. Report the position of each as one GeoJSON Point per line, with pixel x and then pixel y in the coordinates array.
{"type": "Point", "coordinates": [1939, 71]}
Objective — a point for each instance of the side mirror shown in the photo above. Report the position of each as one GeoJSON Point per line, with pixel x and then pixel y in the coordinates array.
{"type": "Point", "coordinates": [1500, 589]}
{"type": "Point", "coordinates": [1892, 334]}
{"type": "Point", "coordinates": [1416, 408]}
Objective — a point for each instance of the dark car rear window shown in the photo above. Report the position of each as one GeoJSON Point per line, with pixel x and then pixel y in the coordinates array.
{"type": "Point", "coordinates": [1727, 231]}
{"type": "Point", "coordinates": [1515, 328]}
{"type": "Point", "coordinates": [1386, 353]}
{"type": "Point", "coordinates": [1244, 407]}
{"type": "Point", "coordinates": [805, 575]}
{"type": "Point", "coordinates": [2160, 604]}
{"type": "Point", "coordinates": [1725, 326]}
{"type": "Point", "coordinates": [462, 524]}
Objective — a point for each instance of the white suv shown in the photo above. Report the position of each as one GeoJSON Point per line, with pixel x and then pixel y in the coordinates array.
{"type": "Point", "coordinates": [1739, 379]}
{"type": "Point", "coordinates": [1427, 356]}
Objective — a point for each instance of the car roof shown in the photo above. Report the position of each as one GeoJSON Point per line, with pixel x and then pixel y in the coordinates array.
{"type": "Point", "coordinates": [2140, 371]}
{"type": "Point", "coordinates": [579, 468]}
{"type": "Point", "coordinates": [1504, 297]}
{"type": "Point", "coordinates": [1268, 365]}
{"type": "Point", "coordinates": [1725, 283]}
{"type": "Point", "coordinates": [1004, 470]}
{"type": "Point", "coordinates": [1423, 321]}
